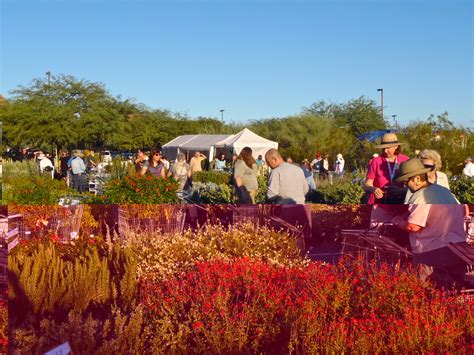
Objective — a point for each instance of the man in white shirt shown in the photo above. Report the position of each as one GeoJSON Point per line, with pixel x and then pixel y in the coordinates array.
{"type": "Point", "coordinates": [469, 168]}
{"type": "Point", "coordinates": [434, 219]}
{"type": "Point", "coordinates": [45, 165]}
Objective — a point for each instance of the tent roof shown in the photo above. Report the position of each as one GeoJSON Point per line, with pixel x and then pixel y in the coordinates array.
{"type": "Point", "coordinates": [196, 141]}
{"type": "Point", "coordinates": [245, 137]}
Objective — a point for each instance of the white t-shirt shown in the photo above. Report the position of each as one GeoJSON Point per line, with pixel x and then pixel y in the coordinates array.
{"type": "Point", "coordinates": [441, 179]}
{"type": "Point", "coordinates": [442, 223]}
{"type": "Point", "coordinates": [45, 162]}
{"type": "Point", "coordinates": [433, 194]}
{"type": "Point", "coordinates": [468, 169]}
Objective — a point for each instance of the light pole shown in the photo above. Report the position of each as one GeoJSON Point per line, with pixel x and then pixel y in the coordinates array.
{"type": "Point", "coordinates": [222, 114]}
{"type": "Point", "coordinates": [48, 73]}
{"type": "Point", "coordinates": [381, 101]}
{"type": "Point", "coordinates": [394, 120]}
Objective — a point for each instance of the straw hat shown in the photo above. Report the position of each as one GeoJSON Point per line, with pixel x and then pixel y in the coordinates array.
{"type": "Point", "coordinates": [389, 140]}
{"type": "Point", "coordinates": [410, 168]}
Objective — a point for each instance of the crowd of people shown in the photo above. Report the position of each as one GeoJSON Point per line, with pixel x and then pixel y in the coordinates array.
{"type": "Point", "coordinates": [379, 182]}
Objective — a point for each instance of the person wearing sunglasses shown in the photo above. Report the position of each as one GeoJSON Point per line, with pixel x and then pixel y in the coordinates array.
{"type": "Point", "coordinates": [154, 165]}
{"type": "Point", "coordinates": [431, 159]}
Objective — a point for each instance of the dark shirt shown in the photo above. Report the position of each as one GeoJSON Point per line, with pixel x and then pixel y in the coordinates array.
{"type": "Point", "coordinates": [64, 164]}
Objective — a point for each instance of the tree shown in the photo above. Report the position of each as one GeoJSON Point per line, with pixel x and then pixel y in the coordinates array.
{"type": "Point", "coordinates": [63, 113]}
{"type": "Point", "coordinates": [453, 143]}
{"type": "Point", "coordinates": [359, 115]}
{"type": "Point", "coordinates": [302, 136]}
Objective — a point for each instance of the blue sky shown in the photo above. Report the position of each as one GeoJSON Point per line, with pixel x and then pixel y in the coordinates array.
{"type": "Point", "coordinates": [255, 59]}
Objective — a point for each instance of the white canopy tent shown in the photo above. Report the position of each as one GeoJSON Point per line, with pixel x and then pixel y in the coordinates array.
{"type": "Point", "coordinates": [190, 143]}
{"type": "Point", "coordinates": [246, 138]}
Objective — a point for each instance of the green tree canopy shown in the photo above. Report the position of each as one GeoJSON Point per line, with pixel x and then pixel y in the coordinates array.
{"type": "Point", "coordinates": [359, 115]}
{"type": "Point", "coordinates": [65, 112]}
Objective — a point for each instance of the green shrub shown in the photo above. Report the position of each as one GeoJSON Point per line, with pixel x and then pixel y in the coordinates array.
{"type": "Point", "coordinates": [35, 190]}
{"type": "Point", "coordinates": [215, 177]}
{"type": "Point", "coordinates": [22, 185]}
{"type": "Point", "coordinates": [214, 194]}
{"type": "Point", "coordinates": [136, 189]}
{"type": "Point", "coordinates": [339, 193]}
{"type": "Point", "coordinates": [463, 188]}
{"type": "Point", "coordinates": [86, 334]}
{"type": "Point", "coordinates": [262, 179]}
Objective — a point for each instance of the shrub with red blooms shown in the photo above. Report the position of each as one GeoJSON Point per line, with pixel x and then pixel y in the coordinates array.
{"type": "Point", "coordinates": [245, 306]}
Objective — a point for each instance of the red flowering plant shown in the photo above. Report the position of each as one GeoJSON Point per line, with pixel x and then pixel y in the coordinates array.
{"type": "Point", "coordinates": [136, 189]}
{"type": "Point", "coordinates": [250, 306]}
{"type": "Point", "coordinates": [3, 325]}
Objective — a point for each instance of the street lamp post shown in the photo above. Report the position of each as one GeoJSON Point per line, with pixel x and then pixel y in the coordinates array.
{"type": "Point", "coordinates": [222, 115]}
{"type": "Point", "coordinates": [48, 73]}
{"type": "Point", "coordinates": [381, 101]}
{"type": "Point", "coordinates": [394, 120]}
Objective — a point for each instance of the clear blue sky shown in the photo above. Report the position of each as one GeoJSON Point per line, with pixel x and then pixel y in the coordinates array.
{"type": "Point", "coordinates": [255, 59]}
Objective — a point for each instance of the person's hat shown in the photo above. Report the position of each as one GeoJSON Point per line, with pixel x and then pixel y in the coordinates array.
{"type": "Point", "coordinates": [77, 153]}
{"type": "Point", "coordinates": [410, 168]}
{"type": "Point", "coordinates": [389, 140]}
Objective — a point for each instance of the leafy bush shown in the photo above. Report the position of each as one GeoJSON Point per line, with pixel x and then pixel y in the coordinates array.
{"type": "Point", "coordinates": [22, 185]}
{"type": "Point", "coordinates": [262, 179]}
{"type": "Point", "coordinates": [463, 188]}
{"type": "Point", "coordinates": [339, 193]}
{"type": "Point", "coordinates": [93, 333]}
{"type": "Point", "coordinates": [245, 306]}
{"type": "Point", "coordinates": [210, 193]}
{"type": "Point", "coordinates": [136, 189]}
{"type": "Point", "coordinates": [35, 190]}
{"type": "Point", "coordinates": [212, 176]}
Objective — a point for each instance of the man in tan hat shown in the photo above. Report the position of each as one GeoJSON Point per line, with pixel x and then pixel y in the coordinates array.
{"type": "Point", "coordinates": [382, 170]}
{"type": "Point", "coordinates": [434, 219]}
{"type": "Point", "coordinates": [414, 175]}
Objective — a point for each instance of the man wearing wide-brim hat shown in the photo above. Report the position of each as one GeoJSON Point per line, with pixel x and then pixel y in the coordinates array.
{"type": "Point", "coordinates": [413, 174]}
{"type": "Point", "coordinates": [382, 170]}
{"type": "Point", "coordinates": [434, 219]}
